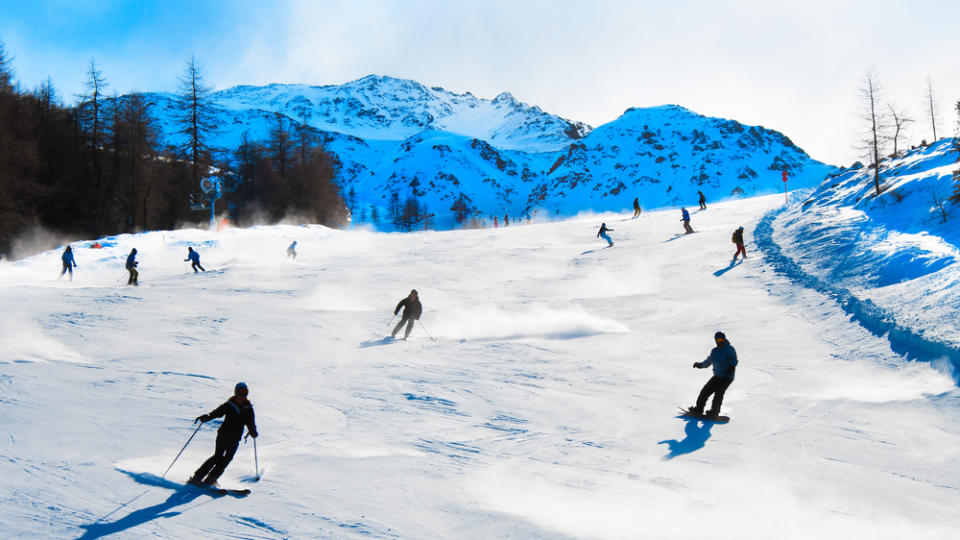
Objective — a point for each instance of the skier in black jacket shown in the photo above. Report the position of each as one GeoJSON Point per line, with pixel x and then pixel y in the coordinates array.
{"type": "Point", "coordinates": [132, 267]}
{"type": "Point", "coordinates": [237, 412]}
{"type": "Point", "coordinates": [411, 312]}
{"type": "Point", "coordinates": [723, 358]}
{"type": "Point", "coordinates": [738, 240]}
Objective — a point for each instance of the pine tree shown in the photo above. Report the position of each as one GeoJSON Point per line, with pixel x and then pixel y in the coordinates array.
{"type": "Point", "coordinates": [197, 121]}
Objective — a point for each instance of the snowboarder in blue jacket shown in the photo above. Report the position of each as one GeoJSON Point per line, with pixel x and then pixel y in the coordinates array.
{"type": "Point", "coordinates": [195, 257]}
{"type": "Point", "coordinates": [723, 358]}
{"type": "Point", "coordinates": [68, 262]}
{"type": "Point", "coordinates": [603, 234]}
{"type": "Point", "coordinates": [237, 412]}
{"type": "Point", "coordinates": [686, 221]}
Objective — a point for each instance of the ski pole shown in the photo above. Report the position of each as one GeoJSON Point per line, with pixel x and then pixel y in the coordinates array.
{"type": "Point", "coordinates": [181, 451]}
{"type": "Point", "coordinates": [425, 330]}
{"type": "Point", "coordinates": [256, 461]}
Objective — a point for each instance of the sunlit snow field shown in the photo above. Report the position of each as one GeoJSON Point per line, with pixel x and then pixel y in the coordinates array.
{"type": "Point", "coordinates": [544, 407]}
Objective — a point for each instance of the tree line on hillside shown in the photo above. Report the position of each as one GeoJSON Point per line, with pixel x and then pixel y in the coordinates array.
{"type": "Point", "coordinates": [885, 129]}
{"type": "Point", "coordinates": [99, 167]}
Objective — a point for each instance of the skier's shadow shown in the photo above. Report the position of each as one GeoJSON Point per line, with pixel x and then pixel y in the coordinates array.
{"type": "Point", "coordinates": [696, 434]}
{"type": "Point", "coordinates": [182, 495]}
{"type": "Point", "coordinates": [723, 271]}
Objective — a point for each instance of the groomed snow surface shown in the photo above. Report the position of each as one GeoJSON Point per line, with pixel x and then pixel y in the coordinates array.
{"type": "Point", "coordinates": [546, 406]}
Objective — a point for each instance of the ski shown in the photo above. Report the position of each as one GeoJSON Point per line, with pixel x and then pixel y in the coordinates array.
{"type": "Point", "coordinates": [222, 491]}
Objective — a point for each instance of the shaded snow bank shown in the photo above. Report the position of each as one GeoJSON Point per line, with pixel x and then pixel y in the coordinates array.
{"type": "Point", "coordinates": [918, 277]}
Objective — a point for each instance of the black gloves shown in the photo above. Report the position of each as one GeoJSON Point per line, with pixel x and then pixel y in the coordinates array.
{"type": "Point", "coordinates": [697, 365]}
{"type": "Point", "coordinates": [202, 419]}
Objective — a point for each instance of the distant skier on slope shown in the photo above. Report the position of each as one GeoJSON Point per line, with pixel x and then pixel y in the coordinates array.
{"type": "Point", "coordinates": [603, 234]}
{"type": "Point", "coordinates": [411, 312]}
{"type": "Point", "coordinates": [506, 220]}
{"type": "Point", "coordinates": [131, 267]}
{"type": "Point", "coordinates": [738, 240]}
{"type": "Point", "coordinates": [195, 257]}
{"type": "Point", "coordinates": [237, 412]}
{"type": "Point", "coordinates": [686, 221]}
{"type": "Point", "coordinates": [68, 262]}
{"type": "Point", "coordinates": [703, 201]}
{"type": "Point", "coordinates": [292, 250]}
{"type": "Point", "coordinates": [723, 358]}
{"type": "Point", "coordinates": [636, 207]}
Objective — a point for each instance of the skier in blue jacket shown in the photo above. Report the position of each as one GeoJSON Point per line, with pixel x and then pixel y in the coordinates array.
{"type": "Point", "coordinates": [195, 257]}
{"type": "Point", "coordinates": [723, 358]}
{"type": "Point", "coordinates": [686, 221]}
{"type": "Point", "coordinates": [68, 262]}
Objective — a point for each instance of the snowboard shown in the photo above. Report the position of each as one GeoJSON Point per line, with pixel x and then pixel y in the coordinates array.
{"type": "Point", "coordinates": [222, 491]}
{"type": "Point", "coordinates": [685, 413]}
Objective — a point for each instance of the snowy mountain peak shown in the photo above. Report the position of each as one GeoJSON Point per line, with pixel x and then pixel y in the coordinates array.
{"type": "Point", "coordinates": [503, 155]}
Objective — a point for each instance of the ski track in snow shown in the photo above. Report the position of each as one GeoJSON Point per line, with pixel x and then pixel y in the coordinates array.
{"type": "Point", "coordinates": [546, 407]}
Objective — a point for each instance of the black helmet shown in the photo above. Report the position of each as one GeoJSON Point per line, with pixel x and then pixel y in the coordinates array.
{"type": "Point", "coordinates": [719, 335]}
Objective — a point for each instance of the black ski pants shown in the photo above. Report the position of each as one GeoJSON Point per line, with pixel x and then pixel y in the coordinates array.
{"type": "Point", "coordinates": [133, 275]}
{"type": "Point", "coordinates": [67, 267]}
{"type": "Point", "coordinates": [716, 386]}
{"type": "Point", "coordinates": [195, 266]}
{"type": "Point", "coordinates": [213, 467]}
{"type": "Point", "coordinates": [399, 325]}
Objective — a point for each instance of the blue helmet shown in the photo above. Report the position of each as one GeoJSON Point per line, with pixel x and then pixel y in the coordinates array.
{"type": "Point", "coordinates": [241, 388]}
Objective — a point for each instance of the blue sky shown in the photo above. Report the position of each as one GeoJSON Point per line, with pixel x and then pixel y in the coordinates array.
{"type": "Point", "coordinates": [792, 66]}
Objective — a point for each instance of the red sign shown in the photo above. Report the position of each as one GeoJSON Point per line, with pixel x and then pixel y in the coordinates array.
{"type": "Point", "coordinates": [784, 177]}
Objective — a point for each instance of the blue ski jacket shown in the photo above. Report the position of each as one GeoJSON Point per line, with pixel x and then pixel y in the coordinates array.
{"type": "Point", "coordinates": [67, 258]}
{"type": "Point", "coordinates": [686, 215]}
{"type": "Point", "coordinates": [723, 359]}
{"type": "Point", "coordinates": [193, 256]}
{"type": "Point", "coordinates": [131, 262]}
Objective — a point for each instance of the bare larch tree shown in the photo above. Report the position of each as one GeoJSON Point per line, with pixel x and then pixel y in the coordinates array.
{"type": "Point", "coordinates": [874, 121]}
{"type": "Point", "coordinates": [932, 103]}
{"type": "Point", "coordinates": [898, 121]}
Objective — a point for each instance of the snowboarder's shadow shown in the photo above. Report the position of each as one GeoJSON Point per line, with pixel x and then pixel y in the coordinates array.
{"type": "Point", "coordinates": [675, 237]}
{"type": "Point", "coordinates": [696, 434]}
{"type": "Point", "coordinates": [723, 271]}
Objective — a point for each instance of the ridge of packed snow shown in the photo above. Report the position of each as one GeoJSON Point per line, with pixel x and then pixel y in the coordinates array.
{"type": "Point", "coordinates": [894, 251]}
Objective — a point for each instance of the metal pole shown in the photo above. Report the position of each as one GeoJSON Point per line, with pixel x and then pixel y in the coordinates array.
{"type": "Point", "coordinates": [256, 461]}
{"type": "Point", "coordinates": [425, 330]}
{"type": "Point", "coordinates": [181, 451]}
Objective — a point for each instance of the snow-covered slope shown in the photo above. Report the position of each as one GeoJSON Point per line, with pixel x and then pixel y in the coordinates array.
{"type": "Point", "coordinates": [502, 156]}
{"type": "Point", "coordinates": [544, 408]}
{"type": "Point", "coordinates": [895, 250]}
